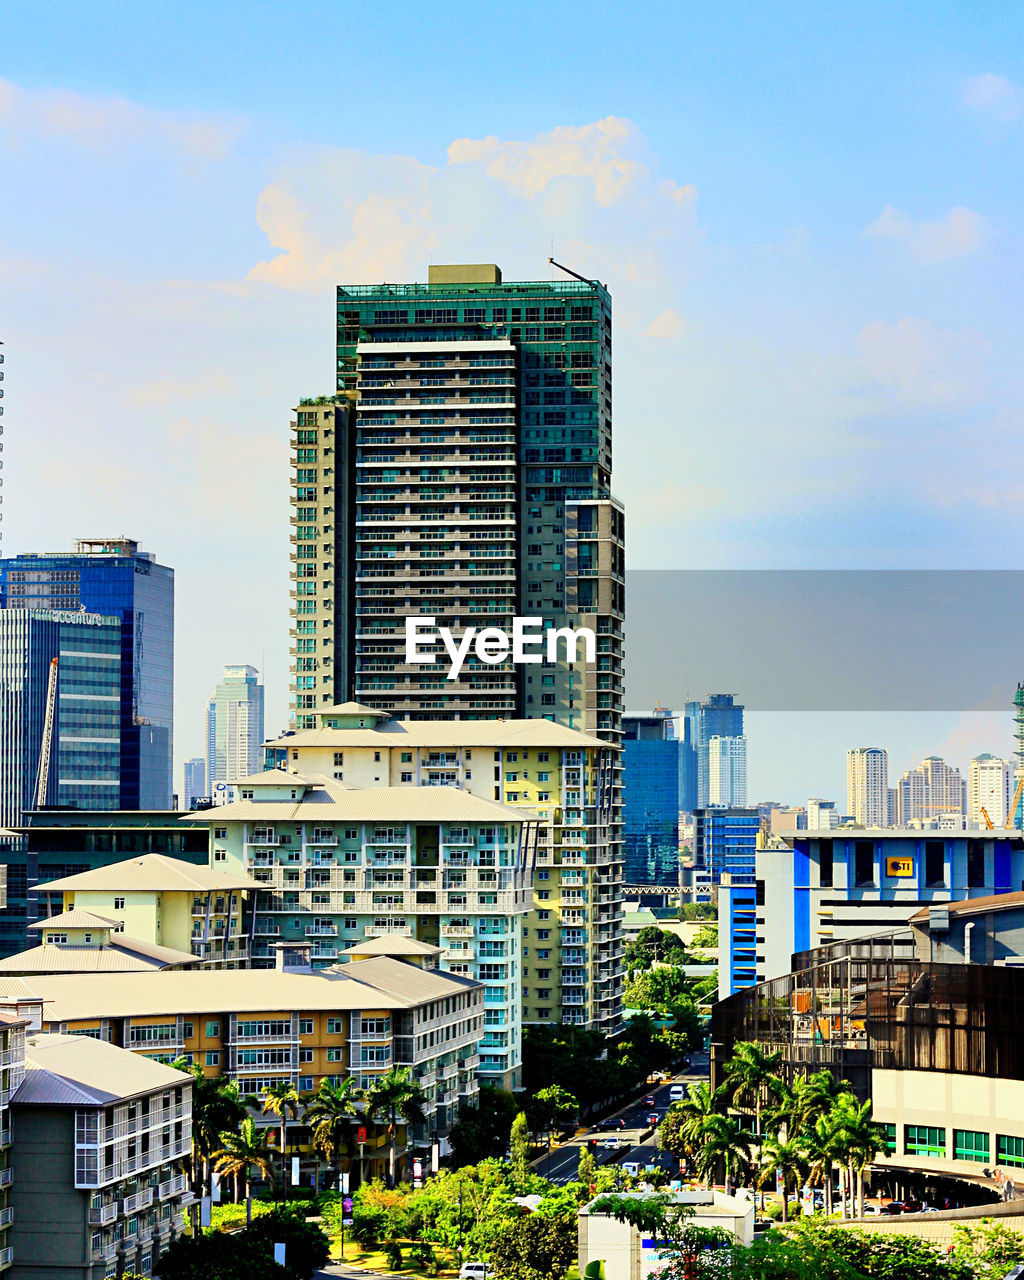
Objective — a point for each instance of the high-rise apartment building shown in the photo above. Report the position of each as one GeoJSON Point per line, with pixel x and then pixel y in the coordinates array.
{"type": "Point", "coordinates": [727, 771]}
{"type": "Point", "coordinates": [990, 787]}
{"type": "Point", "coordinates": [822, 815]}
{"type": "Point", "coordinates": [462, 473]}
{"type": "Point", "coordinates": [193, 783]}
{"type": "Point", "coordinates": [867, 786]}
{"type": "Point", "coordinates": [80, 697]}
{"type": "Point", "coordinates": [718, 716]}
{"type": "Point", "coordinates": [934, 791]}
{"type": "Point", "coordinates": [234, 726]}
{"type": "Point", "coordinates": [650, 809]}
{"type": "Point", "coordinates": [114, 578]}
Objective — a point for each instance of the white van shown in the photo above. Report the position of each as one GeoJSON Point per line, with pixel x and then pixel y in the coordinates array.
{"type": "Point", "coordinates": [473, 1271]}
{"type": "Point", "coordinates": [676, 1093]}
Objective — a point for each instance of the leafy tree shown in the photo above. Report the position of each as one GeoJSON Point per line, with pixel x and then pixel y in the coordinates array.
{"type": "Point", "coordinates": [483, 1128]}
{"type": "Point", "coordinates": [242, 1152]}
{"type": "Point", "coordinates": [693, 1112]}
{"type": "Point", "coordinates": [552, 1108]}
{"type": "Point", "coordinates": [723, 1141]}
{"type": "Point", "coordinates": [989, 1249]}
{"type": "Point", "coordinates": [569, 1056]}
{"type": "Point", "coordinates": [379, 1213]}
{"type": "Point", "coordinates": [892, 1257]}
{"type": "Point", "coordinates": [858, 1140]}
{"type": "Point", "coordinates": [330, 1114]}
{"type": "Point", "coordinates": [707, 936]}
{"type": "Point", "coordinates": [306, 1248]}
{"type": "Point", "coordinates": [749, 1073]}
{"type": "Point", "coordinates": [217, 1108]}
{"type": "Point", "coordinates": [228, 1257]}
{"type": "Point", "coordinates": [283, 1101]}
{"type": "Point", "coordinates": [392, 1096]}
{"type": "Point", "coordinates": [537, 1247]}
{"type": "Point", "coordinates": [586, 1170]}
{"type": "Point", "coordinates": [519, 1141]}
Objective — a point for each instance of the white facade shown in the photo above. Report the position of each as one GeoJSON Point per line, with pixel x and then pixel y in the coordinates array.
{"type": "Point", "coordinates": [234, 726]}
{"type": "Point", "coordinates": [989, 787]}
{"type": "Point", "coordinates": [727, 772]}
{"type": "Point", "coordinates": [934, 791]}
{"type": "Point", "coordinates": [867, 786]}
{"type": "Point", "coordinates": [822, 815]}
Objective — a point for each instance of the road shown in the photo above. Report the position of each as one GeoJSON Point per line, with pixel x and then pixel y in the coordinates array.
{"type": "Point", "coordinates": [561, 1163]}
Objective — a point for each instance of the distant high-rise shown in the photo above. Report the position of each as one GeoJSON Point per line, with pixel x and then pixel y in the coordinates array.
{"type": "Point", "coordinates": [990, 787]}
{"type": "Point", "coordinates": [113, 578]}
{"type": "Point", "coordinates": [934, 790]}
{"type": "Point", "coordinates": [193, 782]}
{"type": "Point", "coordinates": [867, 786]}
{"type": "Point", "coordinates": [234, 726]}
{"type": "Point", "coordinates": [718, 716]}
{"type": "Point", "coordinates": [462, 472]}
{"type": "Point", "coordinates": [822, 815]}
{"type": "Point", "coordinates": [85, 756]}
{"type": "Point", "coordinates": [727, 771]}
{"type": "Point", "coordinates": [650, 809]}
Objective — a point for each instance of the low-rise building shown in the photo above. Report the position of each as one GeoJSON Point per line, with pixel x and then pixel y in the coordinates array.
{"type": "Point", "coordinates": [191, 909]}
{"type": "Point", "coordinates": [81, 942]}
{"type": "Point", "coordinates": [100, 1184]}
{"type": "Point", "coordinates": [297, 1026]}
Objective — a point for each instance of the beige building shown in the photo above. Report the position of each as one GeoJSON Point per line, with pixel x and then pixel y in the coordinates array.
{"type": "Point", "coordinates": [175, 904]}
{"type": "Point", "coordinates": [867, 786]}
{"type": "Point", "coordinates": [572, 944]}
{"type": "Point", "coordinates": [82, 942]}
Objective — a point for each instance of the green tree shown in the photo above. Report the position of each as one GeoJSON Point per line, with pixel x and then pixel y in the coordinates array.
{"type": "Point", "coordinates": [537, 1247]}
{"type": "Point", "coordinates": [586, 1170]}
{"type": "Point", "coordinates": [394, 1096]}
{"type": "Point", "coordinates": [724, 1141]}
{"type": "Point", "coordinates": [858, 1139]}
{"type": "Point", "coordinates": [228, 1257]}
{"type": "Point", "coordinates": [788, 1161]}
{"type": "Point", "coordinates": [671, 1224]}
{"type": "Point", "coordinates": [242, 1152]}
{"type": "Point", "coordinates": [519, 1142]}
{"type": "Point", "coordinates": [749, 1073]}
{"type": "Point", "coordinates": [552, 1108]}
{"type": "Point", "coordinates": [891, 1257]}
{"type": "Point", "coordinates": [306, 1248]}
{"type": "Point", "coordinates": [693, 1111]}
{"type": "Point", "coordinates": [482, 1129]}
{"type": "Point", "coordinates": [282, 1099]}
{"type": "Point", "coordinates": [989, 1249]}
{"type": "Point", "coordinates": [217, 1108]}
{"type": "Point", "coordinates": [330, 1114]}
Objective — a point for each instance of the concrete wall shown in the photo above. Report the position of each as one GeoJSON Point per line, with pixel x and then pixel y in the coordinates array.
{"type": "Point", "coordinates": [50, 1235]}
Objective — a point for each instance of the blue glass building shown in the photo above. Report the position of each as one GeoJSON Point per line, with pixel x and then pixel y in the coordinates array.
{"type": "Point", "coordinates": [115, 579]}
{"type": "Point", "coordinates": [719, 715]}
{"type": "Point", "coordinates": [650, 811]}
{"type": "Point", "coordinates": [725, 840]}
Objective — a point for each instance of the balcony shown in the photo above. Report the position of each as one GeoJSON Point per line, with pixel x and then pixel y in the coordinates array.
{"type": "Point", "coordinates": [141, 1200]}
{"type": "Point", "coordinates": [6, 1177]}
{"type": "Point", "coordinates": [172, 1187]}
{"type": "Point", "coordinates": [321, 931]}
{"type": "Point", "coordinates": [101, 1214]}
{"type": "Point", "coordinates": [6, 1257]}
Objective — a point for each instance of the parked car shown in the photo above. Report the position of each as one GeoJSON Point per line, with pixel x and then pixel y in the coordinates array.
{"type": "Point", "coordinates": [473, 1271]}
{"type": "Point", "coordinates": [649, 1100]}
{"type": "Point", "coordinates": [892, 1208]}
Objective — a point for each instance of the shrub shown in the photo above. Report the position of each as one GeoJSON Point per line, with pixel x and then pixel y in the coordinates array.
{"type": "Point", "coordinates": [393, 1253]}
{"type": "Point", "coordinates": [306, 1247]}
{"type": "Point", "coordinates": [422, 1254]}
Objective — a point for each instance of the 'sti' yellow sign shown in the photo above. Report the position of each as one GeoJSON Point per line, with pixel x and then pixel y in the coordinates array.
{"type": "Point", "coordinates": [901, 867]}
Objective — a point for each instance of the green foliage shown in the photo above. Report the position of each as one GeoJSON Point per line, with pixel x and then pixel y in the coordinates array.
{"type": "Point", "coordinates": [483, 1128]}
{"type": "Point", "coordinates": [707, 936]}
{"type": "Point", "coordinates": [552, 1108]}
{"type": "Point", "coordinates": [665, 992]}
{"type": "Point", "coordinates": [228, 1257]}
{"type": "Point", "coordinates": [393, 1253]}
{"type": "Point", "coordinates": [698, 911]}
{"type": "Point", "coordinates": [226, 1217]}
{"type": "Point", "coordinates": [306, 1247]}
{"type": "Point", "coordinates": [891, 1257]}
{"type": "Point", "coordinates": [586, 1171]}
{"type": "Point", "coordinates": [990, 1249]}
{"type": "Point", "coordinates": [655, 946]}
{"type": "Point", "coordinates": [537, 1247]}
{"type": "Point", "coordinates": [519, 1143]}
{"type": "Point", "coordinates": [378, 1213]}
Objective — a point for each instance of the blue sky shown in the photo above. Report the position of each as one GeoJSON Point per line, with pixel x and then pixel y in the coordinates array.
{"type": "Point", "coordinates": [809, 216]}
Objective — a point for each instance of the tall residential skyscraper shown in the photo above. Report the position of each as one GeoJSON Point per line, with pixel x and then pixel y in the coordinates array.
{"type": "Point", "coordinates": [113, 577]}
{"type": "Point", "coordinates": [193, 783]}
{"type": "Point", "coordinates": [934, 790]}
{"type": "Point", "coordinates": [822, 815]}
{"type": "Point", "coordinates": [85, 756]}
{"type": "Point", "coordinates": [727, 771]}
{"type": "Point", "coordinates": [990, 787]}
{"type": "Point", "coordinates": [718, 716]}
{"type": "Point", "coordinates": [650, 809]}
{"type": "Point", "coordinates": [462, 472]}
{"type": "Point", "coordinates": [867, 786]}
{"type": "Point", "coordinates": [234, 726]}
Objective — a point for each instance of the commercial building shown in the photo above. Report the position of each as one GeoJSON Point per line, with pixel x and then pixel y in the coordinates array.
{"type": "Point", "coordinates": [727, 771]}
{"type": "Point", "coordinates": [725, 842]}
{"type": "Point", "coordinates": [63, 842]}
{"type": "Point", "coordinates": [234, 727]}
{"type": "Point", "coordinates": [933, 792]}
{"type": "Point", "coordinates": [193, 783]}
{"type": "Point", "coordinates": [81, 942]}
{"type": "Point", "coordinates": [867, 786]}
{"type": "Point", "coordinates": [822, 815]}
{"type": "Point", "coordinates": [62, 670]}
{"type": "Point", "coordinates": [462, 472]}
{"type": "Point", "coordinates": [167, 902]}
{"type": "Point", "coordinates": [650, 808]}
{"type": "Point", "coordinates": [814, 888]}
{"type": "Point", "coordinates": [101, 1139]}
{"type": "Point", "coordinates": [717, 716]}
{"type": "Point", "coordinates": [113, 578]}
{"type": "Point", "coordinates": [339, 864]}
{"type": "Point", "coordinates": [572, 937]}
{"type": "Point", "coordinates": [989, 787]}
{"type": "Point", "coordinates": [264, 1027]}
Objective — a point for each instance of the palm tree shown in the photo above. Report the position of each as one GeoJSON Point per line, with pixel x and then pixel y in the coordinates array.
{"type": "Point", "coordinates": [395, 1094]}
{"type": "Point", "coordinates": [860, 1140]}
{"type": "Point", "coordinates": [787, 1160]}
{"type": "Point", "coordinates": [695, 1109]}
{"type": "Point", "coordinates": [283, 1099]}
{"type": "Point", "coordinates": [822, 1147]}
{"type": "Point", "coordinates": [748, 1073]}
{"type": "Point", "coordinates": [329, 1113]}
{"type": "Point", "coordinates": [723, 1139]}
{"type": "Point", "coordinates": [217, 1107]}
{"type": "Point", "coordinates": [240, 1153]}
{"type": "Point", "coordinates": [797, 1106]}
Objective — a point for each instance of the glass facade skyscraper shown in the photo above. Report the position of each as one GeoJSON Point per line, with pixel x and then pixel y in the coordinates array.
{"type": "Point", "coordinates": [650, 810]}
{"type": "Point", "coordinates": [113, 578]}
{"type": "Point", "coordinates": [234, 726]}
{"type": "Point", "coordinates": [718, 716]}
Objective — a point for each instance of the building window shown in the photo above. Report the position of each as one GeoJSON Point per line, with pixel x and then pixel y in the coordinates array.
{"type": "Point", "coordinates": [863, 862]}
{"type": "Point", "coordinates": [305, 1026]}
{"type": "Point", "coordinates": [975, 865]}
{"type": "Point", "coordinates": [825, 864]}
{"type": "Point", "coordinates": [305, 1056]}
{"type": "Point", "coordinates": [305, 1084]}
{"type": "Point", "coordinates": [339, 757]}
{"type": "Point", "coordinates": [889, 1130]}
{"type": "Point", "coordinates": [970, 1144]}
{"type": "Point", "coordinates": [220, 833]}
{"type": "Point", "coordinates": [934, 863]}
{"type": "Point", "coordinates": [119, 904]}
{"type": "Point", "coordinates": [335, 1026]}
{"type": "Point", "coordinates": [335, 1055]}
{"type": "Point", "coordinates": [213, 1058]}
{"type": "Point", "coordinates": [407, 776]}
{"type": "Point", "coordinates": [1009, 1150]}
{"type": "Point", "coordinates": [212, 1030]}
{"type": "Point", "coordinates": [924, 1140]}
{"type": "Point", "coordinates": [187, 1030]}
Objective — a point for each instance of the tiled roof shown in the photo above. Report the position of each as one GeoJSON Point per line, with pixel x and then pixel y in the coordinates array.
{"type": "Point", "coordinates": [80, 1071]}
{"type": "Point", "coordinates": [446, 733]}
{"type": "Point", "coordinates": [154, 872]}
{"type": "Point", "coordinates": [76, 920]}
{"type": "Point", "coordinates": [392, 944]}
{"type": "Point", "coordinates": [119, 955]}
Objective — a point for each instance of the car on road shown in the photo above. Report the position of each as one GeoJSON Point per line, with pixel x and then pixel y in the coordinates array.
{"type": "Point", "coordinates": [654, 1118]}
{"type": "Point", "coordinates": [473, 1271]}
{"type": "Point", "coordinates": [649, 1100]}
{"type": "Point", "coordinates": [610, 1144]}
{"type": "Point", "coordinates": [675, 1093]}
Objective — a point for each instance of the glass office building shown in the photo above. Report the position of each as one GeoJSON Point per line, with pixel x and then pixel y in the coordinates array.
{"type": "Point", "coordinates": [113, 578]}
{"type": "Point", "coordinates": [650, 810]}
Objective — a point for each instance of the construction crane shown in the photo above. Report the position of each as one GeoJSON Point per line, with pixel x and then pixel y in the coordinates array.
{"type": "Point", "coordinates": [988, 820]}
{"type": "Point", "coordinates": [569, 272]}
{"type": "Point", "coordinates": [43, 772]}
{"type": "Point", "coordinates": [1014, 803]}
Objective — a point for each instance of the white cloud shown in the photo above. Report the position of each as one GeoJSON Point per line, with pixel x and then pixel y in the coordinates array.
{"type": "Point", "coordinates": [101, 122]}
{"type": "Point", "coordinates": [927, 364]}
{"type": "Point", "coordinates": [994, 95]}
{"type": "Point", "coordinates": [670, 324]}
{"type": "Point", "coordinates": [960, 232]}
{"type": "Point", "coordinates": [603, 152]}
